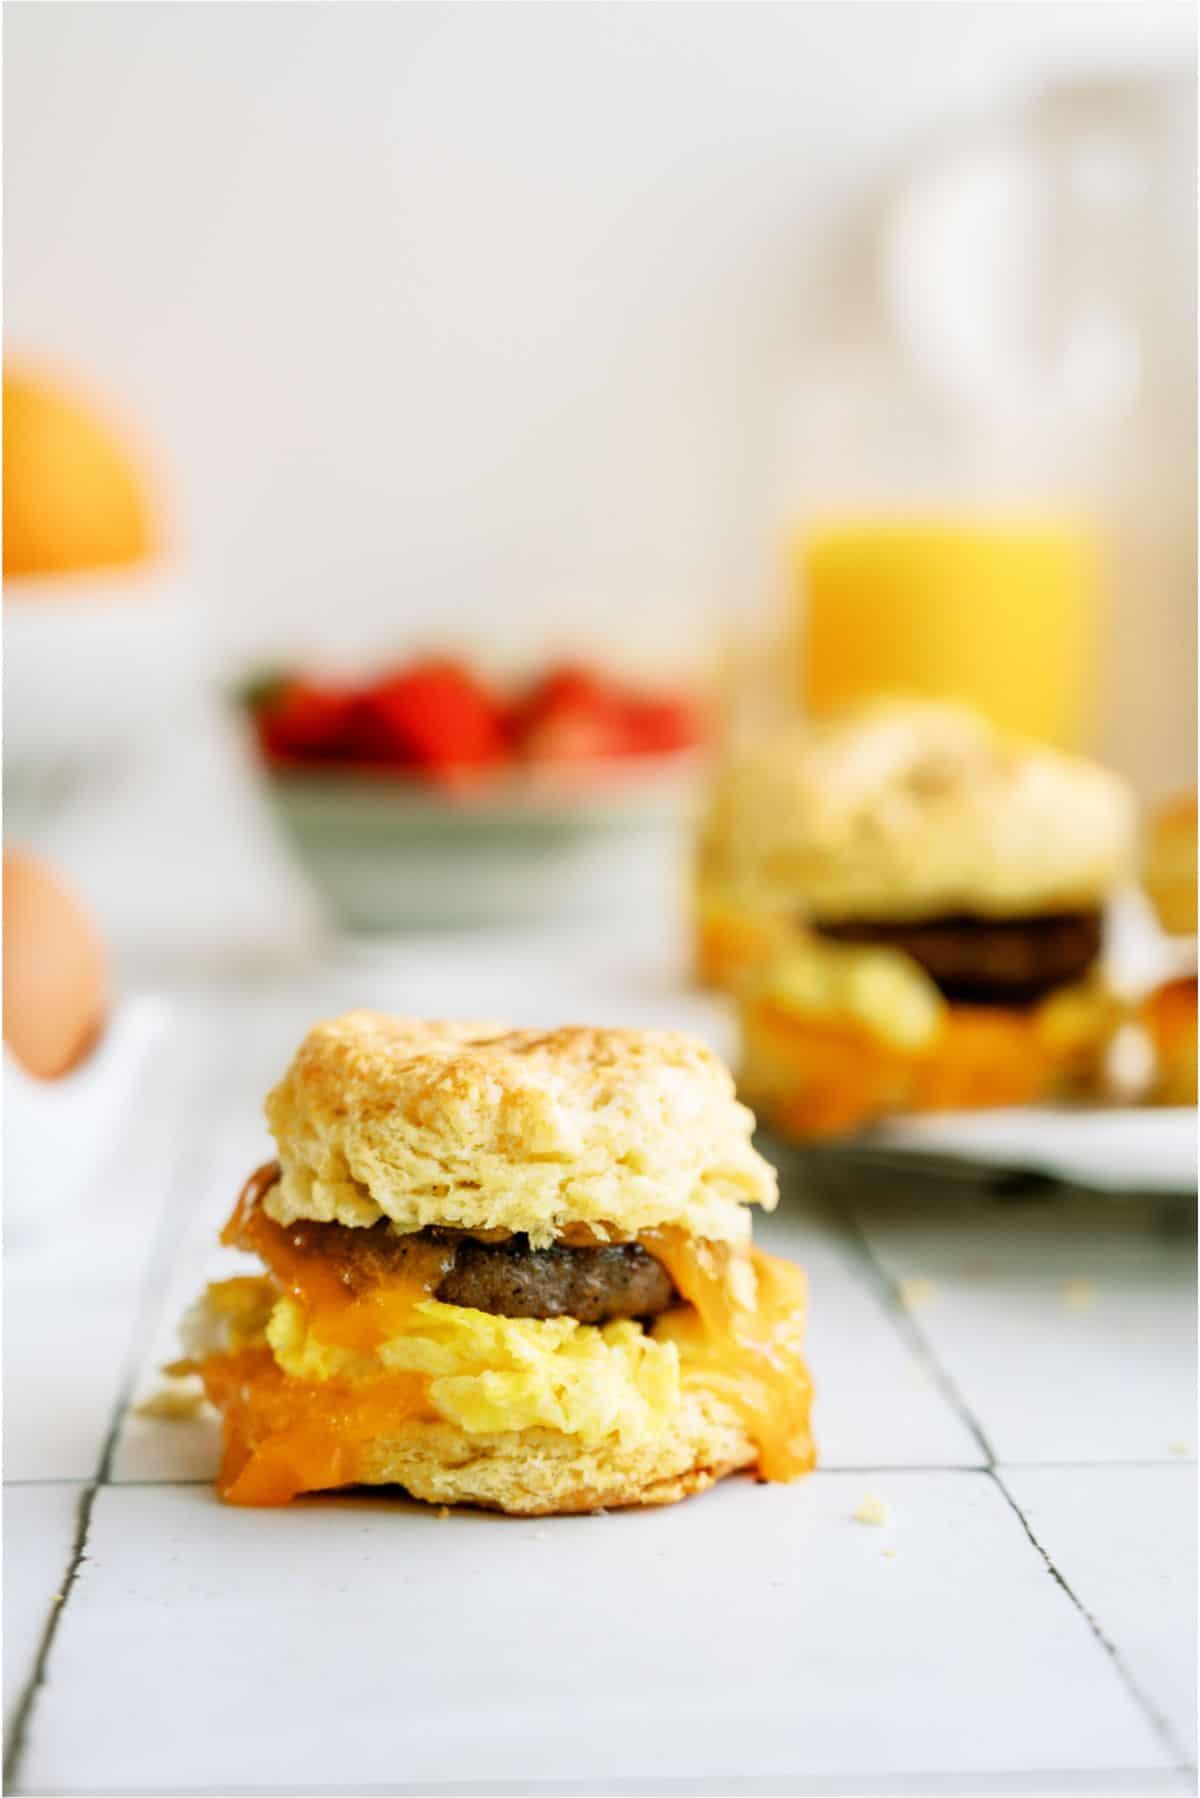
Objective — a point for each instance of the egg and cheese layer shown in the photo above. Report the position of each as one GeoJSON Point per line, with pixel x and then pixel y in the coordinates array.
{"type": "Point", "coordinates": [835, 1035]}
{"type": "Point", "coordinates": [487, 1373]}
{"type": "Point", "coordinates": [311, 1377]}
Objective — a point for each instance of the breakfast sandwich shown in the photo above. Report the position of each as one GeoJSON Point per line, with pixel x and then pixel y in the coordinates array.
{"type": "Point", "coordinates": [509, 1268]}
{"type": "Point", "coordinates": [1169, 1013]}
{"type": "Point", "coordinates": [929, 894]}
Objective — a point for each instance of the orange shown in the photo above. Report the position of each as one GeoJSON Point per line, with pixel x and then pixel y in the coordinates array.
{"type": "Point", "coordinates": [73, 497]}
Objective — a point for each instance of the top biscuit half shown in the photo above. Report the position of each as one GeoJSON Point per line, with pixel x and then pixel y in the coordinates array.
{"type": "Point", "coordinates": [910, 809]}
{"type": "Point", "coordinates": [479, 1128]}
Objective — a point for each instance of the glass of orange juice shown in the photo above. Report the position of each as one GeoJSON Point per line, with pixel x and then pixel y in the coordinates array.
{"type": "Point", "coordinates": [999, 613]}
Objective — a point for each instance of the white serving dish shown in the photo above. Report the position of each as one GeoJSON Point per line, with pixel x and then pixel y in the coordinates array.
{"type": "Point", "coordinates": [387, 853]}
{"type": "Point", "coordinates": [1142, 1149]}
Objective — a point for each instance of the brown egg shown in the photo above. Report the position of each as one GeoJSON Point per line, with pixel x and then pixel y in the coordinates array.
{"type": "Point", "coordinates": [55, 979]}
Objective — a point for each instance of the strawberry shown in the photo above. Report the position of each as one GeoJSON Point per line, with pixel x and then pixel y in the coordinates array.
{"type": "Point", "coordinates": [575, 715]}
{"type": "Point", "coordinates": [301, 718]}
{"type": "Point", "coordinates": [660, 726]}
{"type": "Point", "coordinates": [570, 715]}
{"type": "Point", "coordinates": [433, 715]}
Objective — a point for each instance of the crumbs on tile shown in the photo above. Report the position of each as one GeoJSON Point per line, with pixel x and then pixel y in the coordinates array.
{"type": "Point", "coordinates": [442, 1511]}
{"type": "Point", "coordinates": [889, 1554]}
{"type": "Point", "coordinates": [872, 1509]}
{"type": "Point", "coordinates": [1078, 1294]}
{"type": "Point", "coordinates": [1178, 1448]}
{"type": "Point", "coordinates": [915, 1292]}
{"type": "Point", "coordinates": [172, 1404]}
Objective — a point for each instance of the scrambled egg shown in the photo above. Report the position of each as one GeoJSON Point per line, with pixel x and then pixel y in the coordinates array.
{"type": "Point", "coordinates": [882, 989]}
{"type": "Point", "coordinates": [507, 1373]}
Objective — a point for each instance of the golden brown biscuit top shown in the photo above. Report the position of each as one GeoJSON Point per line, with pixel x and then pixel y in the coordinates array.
{"type": "Point", "coordinates": [909, 809]}
{"type": "Point", "coordinates": [478, 1127]}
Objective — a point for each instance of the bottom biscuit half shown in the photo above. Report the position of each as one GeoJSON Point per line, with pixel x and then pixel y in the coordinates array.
{"type": "Point", "coordinates": [537, 1473]}
{"type": "Point", "coordinates": [282, 1439]}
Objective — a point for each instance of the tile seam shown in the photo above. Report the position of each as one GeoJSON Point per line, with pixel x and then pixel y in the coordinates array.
{"type": "Point", "coordinates": [138, 1336]}
{"type": "Point", "coordinates": [906, 1326]}
{"type": "Point", "coordinates": [1181, 1755]}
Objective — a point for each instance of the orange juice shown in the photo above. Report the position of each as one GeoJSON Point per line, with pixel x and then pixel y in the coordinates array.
{"type": "Point", "coordinates": [1000, 615]}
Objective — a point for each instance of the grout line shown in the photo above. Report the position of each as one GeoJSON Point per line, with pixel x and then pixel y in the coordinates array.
{"type": "Point", "coordinates": [1002, 1780]}
{"type": "Point", "coordinates": [1176, 1462]}
{"type": "Point", "coordinates": [844, 1220]}
{"type": "Point", "coordinates": [58, 1604]}
{"type": "Point", "coordinates": [138, 1337]}
{"type": "Point", "coordinates": [1155, 1717]}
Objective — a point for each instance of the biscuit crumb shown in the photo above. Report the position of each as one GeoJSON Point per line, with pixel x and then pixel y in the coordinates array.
{"type": "Point", "coordinates": [871, 1510]}
{"type": "Point", "coordinates": [599, 1511]}
{"type": "Point", "coordinates": [889, 1554]}
{"type": "Point", "coordinates": [442, 1511]}
{"type": "Point", "coordinates": [1177, 1448]}
{"type": "Point", "coordinates": [172, 1404]}
{"type": "Point", "coordinates": [916, 1292]}
{"type": "Point", "coordinates": [1078, 1294]}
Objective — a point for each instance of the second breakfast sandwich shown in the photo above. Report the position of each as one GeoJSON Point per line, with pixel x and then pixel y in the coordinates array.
{"type": "Point", "coordinates": [504, 1268]}
{"type": "Point", "coordinates": [917, 905]}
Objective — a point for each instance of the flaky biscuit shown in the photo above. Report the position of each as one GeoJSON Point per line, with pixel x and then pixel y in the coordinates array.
{"type": "Point", "coordinates": [524, 1130]}
{"type": "Point", "coordinates": [1170, 875]}
{"type": "Point", "coordinates": [540, 1473]}
{"type": "Point", "coordinates": [907, 809]}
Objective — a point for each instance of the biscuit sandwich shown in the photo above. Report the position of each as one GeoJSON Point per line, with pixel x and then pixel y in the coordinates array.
{"type": "Point", "coordinates": [507, 1268]}
{"type": "Point", "coordinates": [908, 904]}
{"type": "Point", "coordinates": [1169, 1012]}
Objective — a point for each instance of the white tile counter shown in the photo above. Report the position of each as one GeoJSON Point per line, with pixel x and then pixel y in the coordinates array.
{"type": "Point", "coordinates": [1015, 1381]}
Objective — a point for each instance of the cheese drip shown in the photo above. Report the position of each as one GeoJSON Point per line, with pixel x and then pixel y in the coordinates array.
{"type": "Point", "coordinates": [338, 1314]}
{"type": "Point", "coordinates": [285, 1436]}
{"type": "Point", "coordinates": [741, 1336]}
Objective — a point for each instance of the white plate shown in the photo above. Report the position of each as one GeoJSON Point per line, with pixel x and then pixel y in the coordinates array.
{"type": "Point", "coordinates": [1135, 1150]}
{"type": "Point", "coordinates": [56, 1132]}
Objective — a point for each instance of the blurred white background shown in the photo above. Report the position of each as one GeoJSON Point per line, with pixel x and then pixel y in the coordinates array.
{"type": "Point", "coordinates": [457, 320]}
{"type": "Point", "coordinates": [520, 326]}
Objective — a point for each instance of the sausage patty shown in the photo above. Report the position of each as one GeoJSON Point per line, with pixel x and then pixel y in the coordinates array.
{"type": "Point", "coordinates": [593, 1285]}
{"type": "Point", "coordinates": [506, 1278]}
{"type": "Point", "coordinates": [989, 961]}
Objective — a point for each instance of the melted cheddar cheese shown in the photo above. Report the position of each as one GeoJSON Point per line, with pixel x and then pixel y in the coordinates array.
{"type": "Point", "coordinates": [742, 1337]}
{"type": "Point", "coordinates": [1168, 1016]}
{"type": "Point", "coordinates": [835, 1039]}
{"type": "Point", "coordinates": [734, 942]}
{"type": "Point", "coordinates": [315, 1372]}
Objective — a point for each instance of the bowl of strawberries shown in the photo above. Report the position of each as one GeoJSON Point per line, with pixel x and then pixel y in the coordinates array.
{"type": "Point", "coordinates": [428, 795]}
